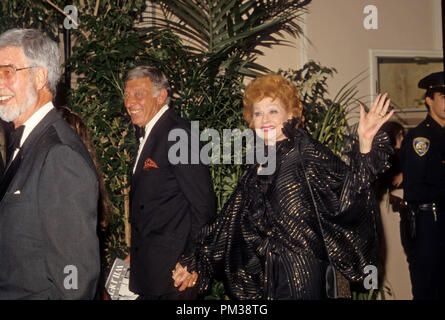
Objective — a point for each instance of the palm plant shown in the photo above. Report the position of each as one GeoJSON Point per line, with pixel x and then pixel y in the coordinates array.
{"type": "Point", "coordinates": [227, 34]}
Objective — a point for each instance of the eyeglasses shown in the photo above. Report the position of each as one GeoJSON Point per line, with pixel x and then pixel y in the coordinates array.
{"type": "Point", "coordinates": [9, 71]}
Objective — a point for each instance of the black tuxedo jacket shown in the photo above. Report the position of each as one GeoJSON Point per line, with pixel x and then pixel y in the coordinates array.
{"type": "Point", "coordinates": [48, 243]}
{"type": "Point", "coordinates": [169, 205]}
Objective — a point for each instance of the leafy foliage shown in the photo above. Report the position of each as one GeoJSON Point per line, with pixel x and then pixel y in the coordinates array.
{"type": "Point", "coordinates": [227, 34]}
{"type": "Point", "coordinates": [28, 14]}
{"type": "Point", "coordinates": [217, 292]}
{"type": "Point", "coordinates": [100, 60]}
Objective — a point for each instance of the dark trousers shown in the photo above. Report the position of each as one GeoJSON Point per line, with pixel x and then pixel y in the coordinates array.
{"type": "Point", "coordinates": [426, 255]}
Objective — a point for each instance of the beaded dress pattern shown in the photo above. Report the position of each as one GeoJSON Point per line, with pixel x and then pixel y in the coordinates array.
{"type": "Point", "coordinates": [267, 243]}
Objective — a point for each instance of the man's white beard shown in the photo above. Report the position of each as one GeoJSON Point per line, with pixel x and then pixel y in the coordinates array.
{"type": "Point", "coordinates": [10, 114]}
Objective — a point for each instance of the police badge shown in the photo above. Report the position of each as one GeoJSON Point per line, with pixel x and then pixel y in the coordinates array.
{"type": "Point", "coordinates": [421, 145]}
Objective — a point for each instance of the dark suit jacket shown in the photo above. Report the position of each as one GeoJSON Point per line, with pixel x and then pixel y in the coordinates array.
{"type": "Point", "coordinates": [169, 205]}
{"type": "Point", "coordinates": [48, 218]}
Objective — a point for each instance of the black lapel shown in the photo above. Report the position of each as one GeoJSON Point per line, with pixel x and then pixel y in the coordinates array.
{"type": "Point", "coordinates": [35, 135]}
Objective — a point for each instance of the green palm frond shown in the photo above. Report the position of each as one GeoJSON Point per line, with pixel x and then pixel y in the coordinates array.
{"type": "Point", "coordinates": [232, 30]}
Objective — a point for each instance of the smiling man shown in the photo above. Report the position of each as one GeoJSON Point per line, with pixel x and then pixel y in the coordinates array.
{"type": "Point", "coordinates": [169, 203]}
{"type": "Point", "coordinates": [49, 191]}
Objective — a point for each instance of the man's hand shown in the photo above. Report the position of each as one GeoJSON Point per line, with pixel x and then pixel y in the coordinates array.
{"type": "Point", "coordinates": [183, 278]}
{"type": "Point", "coordinates": [371, 122]}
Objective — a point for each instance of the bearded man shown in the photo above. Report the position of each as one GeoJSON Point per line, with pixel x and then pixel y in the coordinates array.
{"type": "Point", "coordinates": [49, 190]}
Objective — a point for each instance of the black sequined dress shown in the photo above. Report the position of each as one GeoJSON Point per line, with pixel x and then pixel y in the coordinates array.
{"type": "Point", "coordinates": [267, 242]}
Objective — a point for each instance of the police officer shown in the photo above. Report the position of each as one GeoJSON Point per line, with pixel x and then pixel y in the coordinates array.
{"type": "Point", "coordinates": [423, 165]}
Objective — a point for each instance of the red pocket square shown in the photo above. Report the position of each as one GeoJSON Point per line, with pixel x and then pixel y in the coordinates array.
{"type": "Point", "coordinates": [150, 164]}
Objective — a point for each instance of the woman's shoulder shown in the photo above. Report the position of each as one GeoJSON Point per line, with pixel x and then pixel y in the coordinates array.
{"type": "Point", "coordinates": [308, 146]}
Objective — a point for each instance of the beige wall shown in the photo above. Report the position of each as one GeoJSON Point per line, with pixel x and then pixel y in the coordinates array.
{"type": "Point", "coordinates": [282, 57]}
{"type": "Point", "coordinates": [338, 38]}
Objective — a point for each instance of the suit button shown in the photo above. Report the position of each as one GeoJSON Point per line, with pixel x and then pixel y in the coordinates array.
{"type": "Point", "coordinates": [136, 249]}
{"type": "Point", "coordinates": [136, 229]}
{"type": "Point", "coordinates": [142, 207]}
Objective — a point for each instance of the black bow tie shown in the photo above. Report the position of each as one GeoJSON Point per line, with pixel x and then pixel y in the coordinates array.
{"type": "Point", "coordinates": [140, 132]}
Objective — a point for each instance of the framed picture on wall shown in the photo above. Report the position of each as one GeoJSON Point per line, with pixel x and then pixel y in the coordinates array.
{"type": "Point", "coordinates": [398, 73]}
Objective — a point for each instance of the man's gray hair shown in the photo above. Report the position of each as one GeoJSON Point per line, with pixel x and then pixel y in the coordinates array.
{"type": "Point", "coordinates": [156, 76]}
{"type": "Point", "coordinates": [39, 50]}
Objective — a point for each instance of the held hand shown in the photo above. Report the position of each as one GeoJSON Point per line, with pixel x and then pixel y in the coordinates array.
{"type": "Point", "coordinates": [372, 121]}
{"type": "Point", "coordinates": [183, 278]}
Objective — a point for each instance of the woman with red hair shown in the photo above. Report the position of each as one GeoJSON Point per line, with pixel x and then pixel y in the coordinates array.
{"type": "Point", "coordinates": [282, 236]}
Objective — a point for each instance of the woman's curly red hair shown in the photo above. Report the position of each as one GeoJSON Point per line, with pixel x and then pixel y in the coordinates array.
{"type": "Point", "coordinates": [272, 86]}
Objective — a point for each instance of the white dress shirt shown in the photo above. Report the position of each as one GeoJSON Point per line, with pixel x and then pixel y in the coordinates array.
{"type": "Point", "coordinates": [148, 128]}
{"type": "Point", "coordinates": [32, 122]}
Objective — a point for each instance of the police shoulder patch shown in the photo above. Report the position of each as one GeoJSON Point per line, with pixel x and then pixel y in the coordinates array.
{"type": "Point", "coordinates": [421, 145]}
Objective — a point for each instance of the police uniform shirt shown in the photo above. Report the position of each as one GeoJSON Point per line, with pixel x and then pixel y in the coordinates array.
{"type": "Point", "coordinates": [423, 163]}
